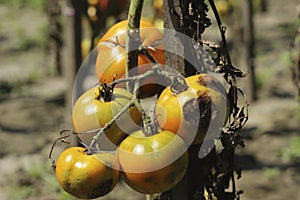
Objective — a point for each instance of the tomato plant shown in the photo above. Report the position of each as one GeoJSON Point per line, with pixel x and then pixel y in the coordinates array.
{"type": "Point", "coordinates": [98, 106]}
{"type": "Point", "coordinates": [152, 164]}
{"type": "Point", "coordinates": [86, 176]}
{"type": "Point", "coordinates": [191, 113]}
{"type": "Point", "coordinates": [111, 58]}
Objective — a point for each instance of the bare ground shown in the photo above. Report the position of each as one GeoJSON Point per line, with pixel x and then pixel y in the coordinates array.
{"type": "Point", "coordinates": [32, 113]}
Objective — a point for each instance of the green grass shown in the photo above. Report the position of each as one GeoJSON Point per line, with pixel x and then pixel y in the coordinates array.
{"type": "Point", "coordinates": [34, 4]}
{"type": "Point", "coordinates": [297, 110]}
{"type": "Point", "coordinates": [15, 3]}
{"type": "Point", "coordinates": [292, 152]}
{"type": "Point", "coordinates": [65, 196]}
{"type": "Point", "coordinates": [21, 192]}
{"type": "Point", "coordinates": [285, 59]}
{"type": "Point", "coordinates": [263, 76]}
{"type": "Point", "coordinates": [271, 172]}
{"type": "Point", "coordinates": [39, 39]}
{"type": "Point", "coordinates": [38, 179]}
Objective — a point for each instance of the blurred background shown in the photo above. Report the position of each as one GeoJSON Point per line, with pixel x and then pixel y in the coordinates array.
{"type": "Point", "coordinates": [43, 43]}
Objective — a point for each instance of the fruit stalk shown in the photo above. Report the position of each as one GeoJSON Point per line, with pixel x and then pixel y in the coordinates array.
{"type": "Point", "coordinates": [93, 144]}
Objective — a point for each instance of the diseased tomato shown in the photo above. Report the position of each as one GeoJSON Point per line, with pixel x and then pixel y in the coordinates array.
{"type": "Point", "coordinates": [194, 114]}
{"type": "Point", "coordinates": [86, 176]}
{"type": "Point", "coordinates": [94, 109]}
{"type": "Point", "coordinates": [111, 58]}
{"type": "Point", "coordinates": [152, 164]}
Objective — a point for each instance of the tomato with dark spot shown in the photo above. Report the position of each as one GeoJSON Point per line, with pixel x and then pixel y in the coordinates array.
{"type": "Point", "coordinates": [86, 176]}
{"type": "Point", "coordinates": [196, 114]}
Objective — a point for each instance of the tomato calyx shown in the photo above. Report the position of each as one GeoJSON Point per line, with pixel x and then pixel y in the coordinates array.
{"type": "Point", "coordinates": [150, 127]}
{"type": "Point", "coordinates": [88, 150]}
{"type": "Point", "coordinates": [104, 92]}
{"type": "Point", "coordinates": [178, 85]}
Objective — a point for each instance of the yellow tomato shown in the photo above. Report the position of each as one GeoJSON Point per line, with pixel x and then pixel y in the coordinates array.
{"type": "Point", "coordinates": [86, 176]}
{"type": "Point", "coordinates": [91, 112]}
{"type": "Point", "coordinates": [153, 164]}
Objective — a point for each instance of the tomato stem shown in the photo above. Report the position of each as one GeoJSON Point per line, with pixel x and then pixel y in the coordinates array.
{"type": "Point", "coordinates": [141, 77]}
{"type": "Point", "coordinates": [133, 38]}
{"type": "Point", "coordinates": [178, 83]}
{"type": "Point", "coordinates": [132, 102]}
{"type": "Point", "coordinates": [110, 123]}
{"type": "Point", "coordinates": [137, 102]}
{"type": "Point", "coordinates": [62, 139]}
{"type": "Point", "coordinates": [222, 30]}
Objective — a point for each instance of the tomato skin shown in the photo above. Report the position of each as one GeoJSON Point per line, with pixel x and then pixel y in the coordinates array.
{"type": "Point", "coordinates": [152, 164]}
{"type": "Point", "coordinates": [147, 38]}
{"type": "Point", "coordinates": [86, 176]}
{"type": "Point", "coordinates": [176, 112]}
{"type": "Point", "coordinates": [111, 58]}
{"type": "Point", "coordinates": [90, 113]}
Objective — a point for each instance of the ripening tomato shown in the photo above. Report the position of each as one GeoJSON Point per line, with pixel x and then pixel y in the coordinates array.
{"type": "Point", "coordinates": [194, 114]}
{"type": "Point", "coordinates": [86, 176]}
{"type": "Point", "coordinates": [92, 111]}
{"type": "Point", "coordinates": [111, 58]}
{"type": "Point", "coordinates": [152, 164]}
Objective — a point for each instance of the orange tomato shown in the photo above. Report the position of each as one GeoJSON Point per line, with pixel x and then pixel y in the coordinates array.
{"type": "Point", "coordinates": [194, 114]}
{"type": "Point", "coordinates": [111, 58]}
{"type": "Point", "coordinates": [152, 164]}
{"type": "Point", "coordinates": [86, 176]}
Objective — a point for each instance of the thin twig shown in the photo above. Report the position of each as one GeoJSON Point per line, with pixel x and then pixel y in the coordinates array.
{"type": "Point", "coordinates": [222, 31]}
{"type": "Point", "coordinates": [62, 138]}
{"type": "Point", "coordinates": [133, 78]}
{"type": "Point", "coordinates": [110, 123]}
{"type": "Point", "coordinates": [144, 51]}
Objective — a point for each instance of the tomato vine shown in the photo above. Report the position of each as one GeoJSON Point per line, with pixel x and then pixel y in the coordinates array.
{"type": "Point", "coordinates": [191, 19]}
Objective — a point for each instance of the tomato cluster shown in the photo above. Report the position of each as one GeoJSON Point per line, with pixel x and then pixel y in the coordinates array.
{"type": "Point", "coordinates": [150, 157]}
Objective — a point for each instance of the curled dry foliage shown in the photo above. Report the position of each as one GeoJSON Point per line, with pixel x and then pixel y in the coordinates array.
{"type": "Point", "coordinates": [192, 20]}
{"type": "Point", "coordinates": [230, 137]}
